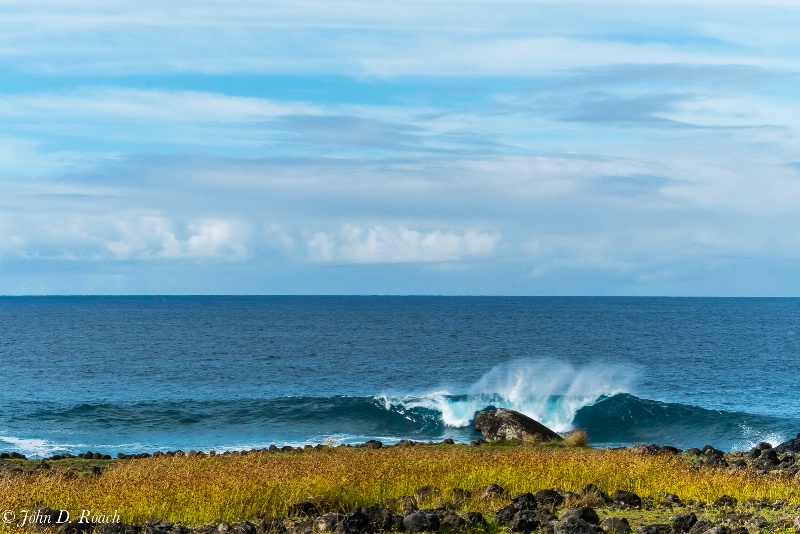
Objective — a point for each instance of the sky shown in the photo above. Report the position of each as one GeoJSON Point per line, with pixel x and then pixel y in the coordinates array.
{"type": "Point", "coordinates": [437, 147]}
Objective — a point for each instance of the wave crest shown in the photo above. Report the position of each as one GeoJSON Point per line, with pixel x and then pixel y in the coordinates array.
{"type": "Point", "coordinates": [550, 392]}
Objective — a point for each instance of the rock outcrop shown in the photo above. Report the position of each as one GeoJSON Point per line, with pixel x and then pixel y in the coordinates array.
{"type": "Point", "coordinates": [502, 424]}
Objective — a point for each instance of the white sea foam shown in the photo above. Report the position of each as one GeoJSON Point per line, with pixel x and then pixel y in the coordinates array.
{"type": "Point", "coordinates": [34, 448]}
{"type": "Point", "coordinates": [752, 437]}
{"type": "Point", "coordinates": [548, 391]}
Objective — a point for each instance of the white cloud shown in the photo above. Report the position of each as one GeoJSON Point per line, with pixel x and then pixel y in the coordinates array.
{"type": "Point", "coordinates": [380, 244]}
{"type": "Point", "coordinates": [122, 238]}
{"type": "Point", "coordinates": [155, 238]}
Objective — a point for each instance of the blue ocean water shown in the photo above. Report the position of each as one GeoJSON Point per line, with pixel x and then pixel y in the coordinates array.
{"type": "Point", "coordinates": [140, 374]}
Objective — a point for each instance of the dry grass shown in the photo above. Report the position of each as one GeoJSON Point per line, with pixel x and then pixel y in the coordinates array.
{"type": "Point", "coordinates": [245, 487]}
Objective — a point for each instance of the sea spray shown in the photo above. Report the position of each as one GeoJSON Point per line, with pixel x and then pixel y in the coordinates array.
{"type": "Point", "coordinates": [549, 391]}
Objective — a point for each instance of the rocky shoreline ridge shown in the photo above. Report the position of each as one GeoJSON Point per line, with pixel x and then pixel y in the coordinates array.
{"type": "Point", "coordinates": [546, 510]}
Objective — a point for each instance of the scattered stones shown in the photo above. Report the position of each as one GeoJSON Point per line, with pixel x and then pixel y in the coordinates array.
{"type": "Point", "coordinates": [525, 501]}
{"type": "Point", "coordinates": [726, 501]}
{"type": "Point", "coordinates": [654, 529]}
{"type": "Point", "coordinates": [474, 519]}
{"type": "Point", "coordinates": [549, 497]}
{"type": "Point", "coordinates": [503, 424]}
{"type": "Point", "coordinates": [524, 521]}
{"type": "Point", "coordinates": [584, 512]}
{"type": "Point", "coordinates": [615, 525]}
{"type": "Point", "coordinates": [504, 515]}
{"type": "Point", "coordinates": [356, 522]}
{"type": "Point", "coordinates": [421, 521]}
{"type": "Point", "coordinates": [626, 499]}
{"type": "Point", "coordinates": [573, 525]}
{"type": "Point", "coordinates": [682, 522]}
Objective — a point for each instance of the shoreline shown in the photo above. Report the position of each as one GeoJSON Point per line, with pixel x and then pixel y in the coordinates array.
{"type": "Point", "coordinates": [389, 479]}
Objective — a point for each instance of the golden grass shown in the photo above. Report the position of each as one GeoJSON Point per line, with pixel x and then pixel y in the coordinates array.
{"type": "Point", "coordinates": [235, 487]}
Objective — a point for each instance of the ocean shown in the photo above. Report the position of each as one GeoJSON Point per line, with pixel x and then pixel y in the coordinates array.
{"type": "Point", "coordinates": [142, 374]}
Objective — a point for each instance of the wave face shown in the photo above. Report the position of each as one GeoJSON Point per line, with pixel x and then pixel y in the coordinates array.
{"type": "Point", "coordinates": [562, 397]}
{"type": "Point", "coordinates": [244, 424]}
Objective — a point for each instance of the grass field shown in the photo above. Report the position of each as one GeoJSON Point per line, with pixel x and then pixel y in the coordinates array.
{"type": "Point", "coordinates": [236, 487]}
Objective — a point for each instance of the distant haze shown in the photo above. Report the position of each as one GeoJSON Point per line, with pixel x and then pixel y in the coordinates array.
{"type": "Point", "coordinates": [420, 147]}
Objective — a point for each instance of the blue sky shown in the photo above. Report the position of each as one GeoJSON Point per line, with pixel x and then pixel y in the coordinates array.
{"type": "Point", "coordinates": [418, 147]}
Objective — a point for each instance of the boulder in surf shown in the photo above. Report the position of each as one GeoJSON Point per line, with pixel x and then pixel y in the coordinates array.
{"type": "Point", "coordinates": [503, 424]}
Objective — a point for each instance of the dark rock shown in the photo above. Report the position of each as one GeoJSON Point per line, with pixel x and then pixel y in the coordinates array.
{"type": "Point", "coordinates": [453, 522]}
{"type": "Point", "coordinates": [584, 512]}
{"type": "Point", "coordinates": [740, 463]}
{"type": "Point", "coordinates": [524, 501]}
{"type": "Point", "coordinates": [474, 519]}
{"type": "Point", "coordinates": [616, 525]}
{"type": "Point", "coordinates": [549, 497]}
{"type": "Point", "coordinates": [491, 491]}
{"type": "Point", "coordinates": [502, 424]}
{"type": "Point", "coordinates": [764, 445]}
{"type": "Point", "coordinates": [654, 529]}
{"type": "Point", "coordinates": [719, 529]}
{"type": "Point", "coordinates": [716, 460]}
{"type": "Point", "coordinates": [504, 515]}
{"type": "Point", "coordinates": [754, 453]}
{"type": "Point", "coordinates": [573, 525]}
{"type": "Point", "coordinates": [380, 517]}
{"type": "Point", "coordinates": [770, 453]}
{"type": "Point", "coordinates": [448, 441]}
{"type": "Point", "coordinates": [682, 522]}
{"type": "Point", "coordinates": [626, 499]}
{"type": "Point", "coordinates": [76, 527]}
{"type": "Point", "coordinates": [117, 528]}
{"type": "Point", "coordinates": [694, 451]}
{"type": "Point", "coordinates": [373, 444]}
{"type": "Point", "coordinates": [701, 526]}
{"type": "Point", "coordinates": [243, 528]}
{"type": "Point", "coordinates": [793, 445]}
{"type": "Point", "coordinates": [524, 521]}
{"type": "Point", "coordinates": [356, 522]}
{"type": "Point", "coordinates": [303, 509]}
{"type": "Point", "coordinates": [421, 521]}
{"type": "Point", "coordinates": [670, 498]}
{"type": "Point", "coordinates": [726, 501]}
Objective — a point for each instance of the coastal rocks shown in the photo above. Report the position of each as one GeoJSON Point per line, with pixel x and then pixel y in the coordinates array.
{"type": "Point", "coordinates": [615, 525]}
{"type": "Point", "coordinates": [503, 424]}
{"type": "Point", "coordinates": [573, 525]}
{"type": "Point", "coordinates": [356, 522]}
{"type": "Point", "coordinates": [682, 522]}
{"type": "Point", "coordinates": [524, 521]}
{"type": "Point", "coordinates": [793, 445]}
{"type": "Point", "coordinates": [584, 512]}
{"type": "Point", "coordinates": [474, 519]}
{"type": "Point", "coordinates": [421, 521]}
{"type": "Point", "coordinates": [626, 499]}
{"type": "Point", "coordinates": [549, 497]}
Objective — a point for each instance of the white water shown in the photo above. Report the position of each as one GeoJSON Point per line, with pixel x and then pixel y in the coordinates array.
{"type": "Point", "coordinates": [547, 391]}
